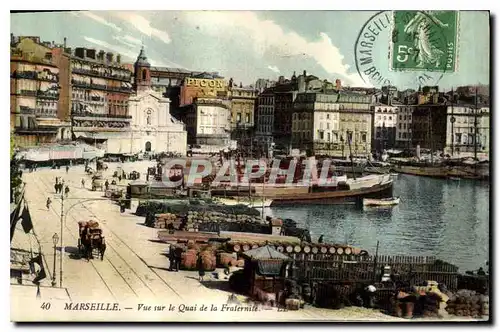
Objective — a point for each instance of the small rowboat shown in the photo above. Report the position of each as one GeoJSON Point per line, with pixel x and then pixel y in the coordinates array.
{"type": "Point", "coordinates": [381, 201]}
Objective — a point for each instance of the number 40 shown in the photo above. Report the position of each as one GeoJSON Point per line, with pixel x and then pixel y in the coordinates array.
{"type": "Point", "coordinates": [45, 306]}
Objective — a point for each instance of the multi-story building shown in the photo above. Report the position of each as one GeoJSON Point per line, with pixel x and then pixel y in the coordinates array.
{"type": "Point", "coordinates": [356, 122]}
{"type": "Point", "coordinates": [404, 125]}
{"type": "Point", "coordinates": [315, 123]}
{"type": "Point", "coordinates": [385, 124]}
{"type": "Point", "coordinates": [100, 89]}
{"type": "Point", "coordinates": [242, 106]}
{"type": "Point", "coordinates": [468, 129]}
{"type": "Point", "coordinates": [264, 120]}
{"type": "Point", "coordinates": [34, 94]}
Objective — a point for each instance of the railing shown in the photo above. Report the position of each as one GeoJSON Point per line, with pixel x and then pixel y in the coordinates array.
{"type": "Point", "coordinates": [33, 75]}
{"type": "Point", "coordinates": [95, 73]}
{"type": "Point", "coordinates": [100, 87]}
{"type": "Point", "coordinates": [94, 115]}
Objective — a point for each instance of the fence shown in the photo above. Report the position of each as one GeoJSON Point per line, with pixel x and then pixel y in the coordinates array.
{"type": "Point", "coordinates": [369, 269]}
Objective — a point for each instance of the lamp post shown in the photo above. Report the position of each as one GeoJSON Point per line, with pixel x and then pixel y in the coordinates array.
{"type": "Point", "coordinates": [55, 240]}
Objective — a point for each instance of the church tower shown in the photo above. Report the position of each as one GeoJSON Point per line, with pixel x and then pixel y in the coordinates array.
{"type": "Point", "coordinates": [142, 72]}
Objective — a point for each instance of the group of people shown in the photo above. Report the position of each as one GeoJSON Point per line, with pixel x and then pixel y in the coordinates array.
{"type": "Point", "coordinates": [59, 186]}
{"type": "Point", "coordinates": [174, 256]}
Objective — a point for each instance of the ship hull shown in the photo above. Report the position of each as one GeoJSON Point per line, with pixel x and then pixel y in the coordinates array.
{"type": "Point", "coordinates": [354, 196]}
{"type": "Point", "coordinates": [464, 172]}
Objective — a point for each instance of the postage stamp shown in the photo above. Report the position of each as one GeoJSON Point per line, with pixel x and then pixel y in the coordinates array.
{"type": "Point", "coordinates": [422, 46]}
{"type": "Point", "coordinates": [424, 41]}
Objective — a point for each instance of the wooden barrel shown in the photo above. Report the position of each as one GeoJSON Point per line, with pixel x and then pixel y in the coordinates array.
{"type": "Point", "coordinates": [332, 250]}
{"type": "Point", "coordinates": [240, 263]}
{"type": "Point", "coordinates": [225, 258]}
{"type": "Point", "coordinates": [246, 247]}
{"type": "Point", "coordinates": [297, 249]}
{"type": "Point", "coordinates": [324, 250]}
{"type": "Point", "coordinates": [307, 249]}
{"type": "Point", "coordinates": [236, 247]}
{"type": "Point", "coordinates": [347, 251]}
{"type": "Point", "coordinates": [188, 260]}
{"type": "Point", "coordinates": [314, 250]}
{"type": "Point", "coordinates": [289, 248]}
{"type": "Point", "coordinates": [280, 248]}
{"type": "Point", "coordinates": [208, 260]}
{"type": "Point", "coordinates": [340, 251]}
{"type": "Point", "coordinates": [255, 246]}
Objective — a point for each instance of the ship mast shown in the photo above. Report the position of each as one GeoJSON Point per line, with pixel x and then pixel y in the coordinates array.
{"type": "Point", "coordinates": [475, 126]}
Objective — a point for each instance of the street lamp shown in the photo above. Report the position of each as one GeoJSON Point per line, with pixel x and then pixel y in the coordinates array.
{"type": "Point", "coordinates": [55, 240]}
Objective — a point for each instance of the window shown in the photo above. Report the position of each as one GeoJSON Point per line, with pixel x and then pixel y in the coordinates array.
{"type": "Point", "coordinates": [390, 118]}
{"type": "Point", "coordinates": [404, 125]}
{"type": "Point", "coordinates": [328, 116]}
{"type": "Point", "coordinates": [238, 117]}
{"type": "Point", "coordinates": [399, 125]}
{"type": "Point", "coordinates": [329, 137]}
{"type": "Point", "coordinates": [400, 135]}
{"type": "Point", "coordinates": [363, 138]}
{"type": "Point", "coordinates": [144, 74]}
{"type": "Point", "coordinates": [321, 135]}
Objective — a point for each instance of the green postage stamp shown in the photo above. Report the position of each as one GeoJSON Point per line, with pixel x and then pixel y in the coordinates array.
{"type": "Point", "coordinates": [424, 41]}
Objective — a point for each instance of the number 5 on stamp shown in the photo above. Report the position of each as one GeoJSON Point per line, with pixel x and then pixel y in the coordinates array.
{"type": "Point", "coordinates": [424, 41]}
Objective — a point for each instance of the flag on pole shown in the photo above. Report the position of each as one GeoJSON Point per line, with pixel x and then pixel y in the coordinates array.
{"type": "Point", "coordinates": [27, 222]}
{"type": "Point", "coordinates": [41, 271]}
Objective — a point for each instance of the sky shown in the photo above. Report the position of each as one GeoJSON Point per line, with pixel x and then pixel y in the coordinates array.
{"type": "Point", "coordinates": [247, 45]}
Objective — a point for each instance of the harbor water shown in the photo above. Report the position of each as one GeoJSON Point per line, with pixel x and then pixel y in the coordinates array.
{"type": "Point", "coordinates": [436, 217]}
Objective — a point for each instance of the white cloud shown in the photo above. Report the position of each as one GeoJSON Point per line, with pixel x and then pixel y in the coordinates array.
{"type": "Point", "coordinates": [131, 55]}
{"type": "Point", "coordinates": [129, 41]}
{"type": "Point", "coordinates": [123, 51]}
{"type": "Point", "coordinates": [143, 25]}
{"type": "Point", "coordinates": [274, 69]}
{"type": "Point", "coordinates": [102, 21]}
{"type": "Point", "coordinates": [270, 39]}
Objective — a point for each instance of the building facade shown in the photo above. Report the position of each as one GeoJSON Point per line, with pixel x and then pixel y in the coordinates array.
{"type": "Point", "coordinates": [153, 128]}
{"type": "Point", "coordinates": [315, 123]}
{"type": "Point", "coordinates": [356, 123]}
{"type": "Point", "coordinates": [264, 121]}
{"type": "Point", "coordinates": [385, 124]}
{"type": "Point", "coordinates": [34, 94]}
{"type": "Point", "coordinates": [468, 130]}
{"type": "Point", "coordinates": [242, 101]}
{"type": "Point", "coordinates": [404, 125]}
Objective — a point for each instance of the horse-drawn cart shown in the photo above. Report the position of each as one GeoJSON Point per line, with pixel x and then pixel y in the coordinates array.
{"type": "Point", "coordinates": [90, 239]}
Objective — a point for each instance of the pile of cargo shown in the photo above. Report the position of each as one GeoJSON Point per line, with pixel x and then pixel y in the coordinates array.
{"type": "Point", "coordinates": [195, 217]}
{"type": "Point", "coordinates": [229, 260]}
{"type": "Point", "coordinates": [294, 247]}
{"type": "Point", "coordinates": [167, 220]}
{"type": "Point", "coordinates": [468, 303]}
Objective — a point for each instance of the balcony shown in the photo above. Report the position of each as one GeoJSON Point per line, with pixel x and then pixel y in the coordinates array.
{"type": "Point", "coordinates": [104, 116]}
{"type": "Point", "coordinates": [40, 130]}
{"type": "Point", "coordinates": [39, 94]}
{"type": "Point", "coordinates": [96, 73]}
{"type": "Point", "coordinates": [101, 87]}
{"type": "Point", "coordinates": [33, 75]}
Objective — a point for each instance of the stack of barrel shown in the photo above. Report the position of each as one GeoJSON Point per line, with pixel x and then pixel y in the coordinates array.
{"type": "Point", "coordinates": [229, 259]}
{"type": "Point", "coordinates": [188, 259]}
{"type": "Point", "coordinates": [289, 248]}
{"type": "Point", "coordinates": [468, 303]}
{"type": "Point", "coordinates": [164, 219]}
{"type": "Point", "coordinates": [208, 260]}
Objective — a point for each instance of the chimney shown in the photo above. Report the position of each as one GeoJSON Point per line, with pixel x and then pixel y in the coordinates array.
{"type": "Point", "coordinates": [91, 53]}
{"type": "Point", "coordinates": [100, 55]}
{"type": "Point", "coordinates": [118, 58]}
{"type": "Point", "coordinates": [64, 42]}
{"type": "Point", "coordinates": [80, 52]}
{"type": "Point", "coordinates": [305, 74]}
{"type": "Point", "coordinates": [109, 57]}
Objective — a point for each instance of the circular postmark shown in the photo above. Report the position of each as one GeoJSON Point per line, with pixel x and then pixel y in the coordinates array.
{"type": "Point", "coordinates": [422, 47]}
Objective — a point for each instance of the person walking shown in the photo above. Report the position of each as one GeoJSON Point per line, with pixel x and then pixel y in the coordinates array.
{"type": "Point", "coordinates": [56, 187]}
{"type": "Point", "coordinates": [83, 183]}
{"type": "Point", "coordinates": [66, 191]}
{"type": "Point", "coordinates": [49, 201]}
{"type": "Point", "coordinates": [67, 169]}
{"type": "Point", "coordinates": [106, 184]}
{"type": "Point", "coordinates": [200, 267]}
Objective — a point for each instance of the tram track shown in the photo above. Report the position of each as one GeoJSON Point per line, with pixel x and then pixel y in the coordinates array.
{"type": "Point", "coordinates": [125, 265]}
